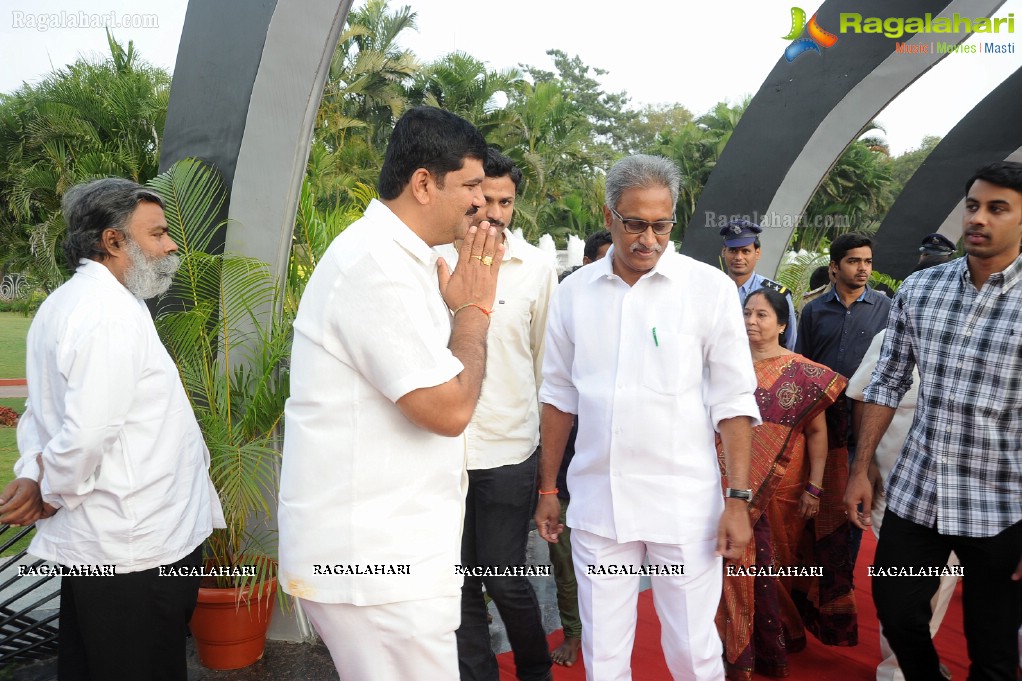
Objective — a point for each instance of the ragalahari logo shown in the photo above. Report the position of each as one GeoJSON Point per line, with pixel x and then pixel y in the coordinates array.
{"type": "Point", "coordinates": [818, 37]}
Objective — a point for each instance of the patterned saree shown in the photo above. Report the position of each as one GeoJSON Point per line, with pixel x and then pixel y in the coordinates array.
{"type": "Point", "coordinates": [761, 618]}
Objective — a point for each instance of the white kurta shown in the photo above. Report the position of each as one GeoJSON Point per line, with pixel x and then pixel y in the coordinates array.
{"type": "Point", "coordinates": [505, 424]}
{"type": "Point", "coordinates": [109, 429]}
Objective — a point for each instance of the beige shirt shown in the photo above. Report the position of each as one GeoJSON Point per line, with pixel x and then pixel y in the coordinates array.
{"type": "Point", "coordinates": [505, 426]}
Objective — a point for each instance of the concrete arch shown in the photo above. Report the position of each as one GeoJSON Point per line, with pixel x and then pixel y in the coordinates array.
{"type": "Point", "coordinates": [247, 86]}
{"type": "Point", "coordinates": [933, 199]}
{"type": "Point", "coordinates": [803, 117]}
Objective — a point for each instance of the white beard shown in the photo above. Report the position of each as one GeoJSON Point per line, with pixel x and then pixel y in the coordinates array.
{"type": "Point", "coordinates": [149, 277]}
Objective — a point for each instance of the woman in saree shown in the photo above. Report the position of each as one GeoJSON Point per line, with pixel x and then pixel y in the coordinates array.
{"type": "Point", "coordinates": [763, 617]}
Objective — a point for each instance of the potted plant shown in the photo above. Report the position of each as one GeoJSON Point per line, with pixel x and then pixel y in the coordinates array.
{"type": "Point", "coordinates": [225, 324]}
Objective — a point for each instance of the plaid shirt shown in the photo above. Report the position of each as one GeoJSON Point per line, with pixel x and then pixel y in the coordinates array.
{"type": "Point", "coordinates": [961, 465]}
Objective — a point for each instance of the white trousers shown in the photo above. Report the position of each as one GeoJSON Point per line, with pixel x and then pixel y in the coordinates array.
{"type": "Point", "coordinates": [390, 642]}
{"type": "Point", "coordinates": [889, 670]}
{"type": "Point", "coordinates": [686, 605]}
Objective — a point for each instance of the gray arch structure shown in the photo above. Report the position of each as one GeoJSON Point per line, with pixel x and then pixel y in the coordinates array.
{"type": "Point", "coordinates": [934, 197]}
{"type": "Point", "coordinates": [247, 86]}
{"type": "Point", "coordinates": [804, 116]}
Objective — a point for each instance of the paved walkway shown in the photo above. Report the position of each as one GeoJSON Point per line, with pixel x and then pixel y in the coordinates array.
{"type": "Point", "coordinates": [13, 388]}
{"type": "Point", "coordinates": [284, 661]}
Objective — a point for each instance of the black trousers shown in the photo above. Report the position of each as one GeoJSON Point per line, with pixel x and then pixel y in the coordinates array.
{"type": "Point", "coordinates": [129, 626]}
{"type": "Point", "coordinates": [991, 601]}
{"type": "Point", "coordinates": [498, 508]}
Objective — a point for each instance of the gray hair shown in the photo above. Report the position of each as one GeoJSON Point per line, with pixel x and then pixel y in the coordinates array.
{"type": "Point", "coordinates": [642, 171]}
{"type": "Point", "coordinates": [95, 206]}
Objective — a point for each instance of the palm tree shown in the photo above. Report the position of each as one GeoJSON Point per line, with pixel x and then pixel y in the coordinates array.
{"type": "Point", "coordinates": [854, 195]}
{"type": "Point", "coordinates": [86, 121]}
{"type": "Point", "coordinates": [547, 137]}
{"type": "Point", "coordinates": [225, 325]}
{"type": "Point", "coordinates": [462, 84]}
{"type": "Point", "coordinates": [695, 146]}
{"type": "Point", "coordinates": [365, 86]}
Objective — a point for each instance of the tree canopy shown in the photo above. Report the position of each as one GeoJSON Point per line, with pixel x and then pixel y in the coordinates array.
{"type": "Point", "coordinates": [560, 125]}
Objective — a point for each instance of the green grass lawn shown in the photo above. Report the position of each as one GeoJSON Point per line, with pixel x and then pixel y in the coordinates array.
{"type": "Point", "coordinates": [8, 455]}
{"type": "Point", "coordinates": [8, 442]}
{"type": "Point", "coordinates": [13, 330]}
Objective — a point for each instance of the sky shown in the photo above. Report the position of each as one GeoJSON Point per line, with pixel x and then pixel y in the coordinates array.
{"type": "Point", "coordinates": [659, 52]}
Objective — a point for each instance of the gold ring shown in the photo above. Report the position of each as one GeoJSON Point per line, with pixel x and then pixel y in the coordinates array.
{"type": "Point", "coordinates": [478, 257]}
{"type": "Point", "coordinates": [487, 260]}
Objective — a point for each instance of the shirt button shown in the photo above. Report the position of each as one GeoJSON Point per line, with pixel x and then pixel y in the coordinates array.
{"type": "Point", "coordinates": [943, 459]}
{"type": "Point", "coordinates": [968, 333]}
{"type": "Point", "coordinates": [949, 429]}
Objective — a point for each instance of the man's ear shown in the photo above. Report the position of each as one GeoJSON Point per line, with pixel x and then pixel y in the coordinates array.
{"type": "Point", "coordinates": [113, 241]}
{"type": "Point", "coordinates": [608, 219]}
{"type": "Point", "coordinates": [420, 184]}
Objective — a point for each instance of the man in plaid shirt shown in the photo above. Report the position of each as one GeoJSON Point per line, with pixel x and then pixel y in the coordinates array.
{"type": "Point", "coordinates": [957, 485]}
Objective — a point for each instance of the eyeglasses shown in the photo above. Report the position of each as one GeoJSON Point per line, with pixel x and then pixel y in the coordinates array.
{"type": "Point", "coordinates": [636, 226]}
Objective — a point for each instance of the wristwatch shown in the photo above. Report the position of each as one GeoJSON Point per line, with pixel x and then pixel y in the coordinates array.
{"type": "Point", "coordinates": [733, 493]}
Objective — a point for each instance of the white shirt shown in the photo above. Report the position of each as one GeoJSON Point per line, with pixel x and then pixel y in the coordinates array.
{"type": "Point", "coordinates": [890, 444]}
{"type": "Point", "coordinates": [110, 429]}
{"type": "Point", "coordinates": [650, 369]}
{"type": "Point", "coordinates": [360, 484]}
{"type": "Point", "coordinates": [505, 425]}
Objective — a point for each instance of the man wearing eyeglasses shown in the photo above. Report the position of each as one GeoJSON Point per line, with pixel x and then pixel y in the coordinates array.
{"type": "Point", "coordinates": [648, 348]}
{"type": "Point", "coordinates": [740, 254]}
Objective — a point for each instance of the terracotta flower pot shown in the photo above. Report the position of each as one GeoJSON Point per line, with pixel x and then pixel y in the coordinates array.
{"type": "Point", "coordinates": [231, 634]}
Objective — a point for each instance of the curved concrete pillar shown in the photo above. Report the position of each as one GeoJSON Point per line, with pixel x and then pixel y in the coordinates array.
{"type": "Point", "coordinates": [246, 89]}
{"type": "Point", "coordinates": [934, 197]}
{"type": "Point", "coordinates": [804, 116]}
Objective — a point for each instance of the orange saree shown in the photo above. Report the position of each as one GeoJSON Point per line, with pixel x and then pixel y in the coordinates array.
{"type": "Point", "coordinates": [760, 618]}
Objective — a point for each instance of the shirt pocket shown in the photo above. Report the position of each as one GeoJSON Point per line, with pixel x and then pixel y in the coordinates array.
{"type": "Point", "coordinates": [671, 361]}
{"type": "Point", "coordinates": [511, 320]}
{"type": "Point", "coordinates": [1001, 359]}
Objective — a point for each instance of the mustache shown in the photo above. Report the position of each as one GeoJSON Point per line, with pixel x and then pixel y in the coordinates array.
{"type": "Point", "coordinates": [655, 247]}
{"type": "Point", "coordinates": [472, 210]}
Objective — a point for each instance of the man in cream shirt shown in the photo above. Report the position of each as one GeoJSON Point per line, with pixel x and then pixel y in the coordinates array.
{"type": "Point", "coordinates": [502, 440]}
{"type": "Point", "coordinates": [109, 437]}
{"type": "Point", "coordinates": [385, 373]}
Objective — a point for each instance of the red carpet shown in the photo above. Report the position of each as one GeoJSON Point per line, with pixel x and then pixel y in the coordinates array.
{"type": "Point", "coordinates": [816, 663]}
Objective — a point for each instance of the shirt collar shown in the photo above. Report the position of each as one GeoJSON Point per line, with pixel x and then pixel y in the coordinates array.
{"type": "Point", "coordinates": [101, 273]}
{"type": "Point", "coordinates": [1006, 278]}
{"type": "Point", "coordinates": [401, 233]}
{"type": "Point", "coordinates": [750, 284]}
{"type": "Point", "coordinates": [668, 265]}
{"type": "Point", "coordinates": [863, 297]}
{"type": "Point", "coordinates": [512, 243]}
